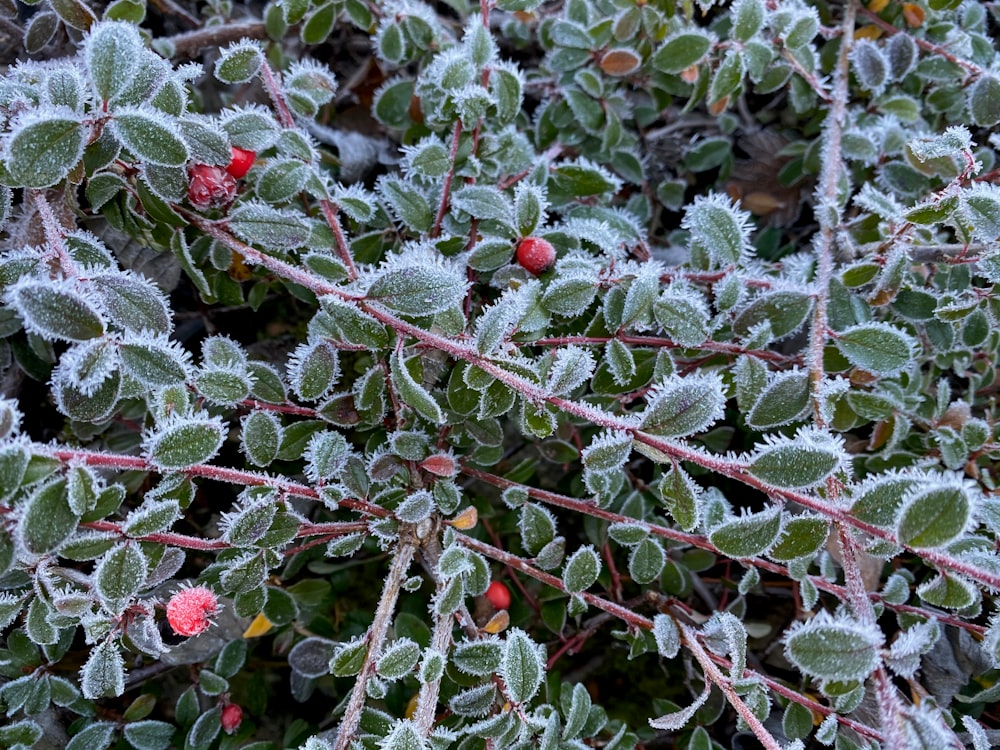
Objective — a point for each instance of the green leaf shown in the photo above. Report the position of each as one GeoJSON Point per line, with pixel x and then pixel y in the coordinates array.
{"type": "Point", "coordinates": [877, 347]}
{"type": "Point", "coordinates": [41, 153]}
{"type": "Point", "coordinates": [355, 326]}
{"type": "Point", "coordinates": [281, 180]}
{"type": "Point", "coordinates": [834, 649]}
{"type": "Point", "coordinates": [581, 570]}
{"type": "Point", "coordinates": [537, 527]}
{"type": "Point", "coordinates": [681, 51]}
{"type": "Point", "coordinates": [398, 660]}
{"type": "Point", "coordinates": [478, 658]}
{"type": "Point", "coordinates": [803, 461]}
{"type": "Point", "coordinates": [682, 498]}
{"type": "Point", "coordinates": [748, 535]}
{"type": "Point", "coordinates": [419, 289]}
{"type": "Point", "coordinates": [119, 576]}
{"type": "Point", "coordinates": [133, 303]}
{"type": "Point", "coordinates": [146, 134]}
{"type": "Point", "coordinates": [646, 561]}
{"type": "Point", "coordinates": [784, 310]}
{"type": "Point", "coordinates": [933, 515]}
{"type": "Point", "coordinates": [522, 667]}
{"type": "Point", "coordinates": [349, 658]}
{"type": "Point", "coordinates": [56, 312]}
{"type": "Point", "coordinates": [239, 62]}
{"type": "Point", "coordinates": [47, 519]}
{"type": "Point", "coordinates": [784, 399]}
{"type": "Point", "coordinates": [717, 226]}
{"type": "Point", "coordinates": [683, 406]}
{"type": "Point", "coordinates": [104, 673]}
{"type": "Point", "coordinates": [800, 536]}
{"type": "Point", "coordinates": [483, 202]}
{"type": "Point", "coordinates": [260, 224]}
{"type": "Point", "coordinates": [408, 203]}
{"type": "Point", "coordinates": [948, 591]}
{"type": "Point", "coordinates": [983, 98]}
{"type": "Point", "coordinates": [149, 734]}
{"type": "Point", "coordinates": [112, 54]}
{"type": "Point", "coordinates": [413, 393]}
{"type": "Point", "coordinates": [185, 442]}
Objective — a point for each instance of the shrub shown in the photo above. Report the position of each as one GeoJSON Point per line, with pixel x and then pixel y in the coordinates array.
{"type": "Point", "coordinates": [731, 454]}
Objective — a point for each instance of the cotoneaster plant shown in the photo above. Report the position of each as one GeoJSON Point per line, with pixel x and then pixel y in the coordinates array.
{"type": "Point", "coordinates": [680, 317]}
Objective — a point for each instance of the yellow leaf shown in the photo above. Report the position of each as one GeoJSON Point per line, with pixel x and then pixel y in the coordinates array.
{"type": "Point", "coordinates": [498, 623]}
{"type": "Point", "coordinates": [260, 626]}
{"type": "Point", "coordinates": [466, 519]}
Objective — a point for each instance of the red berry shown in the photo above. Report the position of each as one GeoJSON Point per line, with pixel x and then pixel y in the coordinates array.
{"type": "Point", "coordinates": [189, 610]}
{"type": "Point", "coordinates": [535, 255]}
{"type": "Point", "coordinates": [498, 595]}
{"type": "Point", "coordinates": [210, 186]}
{"type": "Point", "coordinates": [241, 162]}
{"type": "Point", "coordinates": [232, 716]}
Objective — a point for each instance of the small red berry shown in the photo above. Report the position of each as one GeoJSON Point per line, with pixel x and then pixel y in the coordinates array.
{"type": "Point", "coordinates": [241, 162]}
{"type": "Point", "coordinates": [498, 595]}
{"type": "Point", "coordinates": [210, 186]}
{"type": "Point", "coordinates": [232, 717]}
{"type": "Point", "coordinates": [535, 255]}
{"type": "Point", "coordinates": [189, 610]}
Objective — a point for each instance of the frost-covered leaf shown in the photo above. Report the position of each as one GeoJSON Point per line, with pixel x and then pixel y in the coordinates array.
{"type": "Point", "coordinates": [239, 62]}
{"type": "Point", "coordinates": [398, 659]}
{"type": "Point", "coordinates": [418, 283]}
{"type": "Point", "coordinates": [870, 65]}
{"type": "Point", "coordinates": [784, 310]}
{"type": "Point", "coordinates": [935, 513]}
{"type": "Point", "coordinates": [252, 128]}
{"type": "Point", "coordinates": [273, 229]}
{"type": "Point", "coordinates": [570, 295]}
{"type": "Point", "coordinates": [538, 527]}
{"type": "Point", "coordinates": [831, 648]}
{"type": "Point", "coordinates": [355, 326]}
{"type": "Point", "coordinates": [56, 311]}
{"type": "Point", "coordinates": [803, 461]}
{"type": "Point", "coordinates": [404, 736]}
{"type": "Point", "coordinates": [721, 229]}
{"type": "Point", "coordinates": [910, 645]}
{"type": "Point", "coordinates": [119, 576]}
{"type": "Point", "coordinates": [149, 734]}
{"type": "Point", "coordinates": [147, 134]}
{"type": "Point", "coordinates": [608, 451]}
{"type": "Point", "coordinates": [478, 658]}
{"type": "Point", "coordinates": [522, 667]}
{"type": "Point", "coordinates": [676, 721]}
{"type": "Point", "coordinates": [878, 348]}
{"type": "Point", "coordinates": [154, 361]}
{"type": "Point", "coordinates": [483, 202]}
{"type": "Point", "coordinates": [104, 673]}
{"type": "Point", "coordinates": [46, 518]}
{"type": "Point", "coordinates": [313, 369]}
{"type": "Point", "coordinates": [571, 367]}
{"type": "Point", "coordinates": [682, 498]}
{"type": "Point", "coordinates": [983, 98]}
{"type": "Point", "coordinates": [980, 206]}
{"type": "Point", "coordinates": [184, 441]}
{"type": "Point", "coordinates": [800, 536]}
{"type": "Point", "coordinates": [112, 53]}
{"type": "Point", "coordinates": [621, 362]}
{"type": "Point", "coordinates": [681, 406]}
{"type": "Point", "coordinates": [646, 561]}
{"type": "Point", "coordinates": [683, 314]}
{"type": "Point", "coordinates": [784, 399]}
{"type": "Point", "coordinates": [681, 51]}
{"type": "Point", "coordinates": [133, 303]}
{"type": "Point", "coordinates": [413, 393]}
{"type": "Point", "coordinates": [152, 517]}
{"type": "Point", "coordinates": [407, 202]}
{"type": "Point", "coordinates": [41, 152]}
{"type": "Point", "coordinates": [262, 434]}
{"type": "Point", "coordinates": [581, 569]}
{"type": "Point", "coordinates": [748, 535]}
{"type": "Point", "coordinates": [949, 591]}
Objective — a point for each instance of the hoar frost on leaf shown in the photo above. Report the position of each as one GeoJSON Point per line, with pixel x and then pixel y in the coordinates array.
{"type": "Point", "coordinates": [418, 281]}
{"type": "Point", "coordinates": [720, 228]}
{"type": "Point", "coordinates": [681, 406]}
{"type": "Point", "coordinates": [571, 367]}
{"type": "Point", "coordinates": [834, 647]}
{"type": "Point", "coordinates": [802, 461]}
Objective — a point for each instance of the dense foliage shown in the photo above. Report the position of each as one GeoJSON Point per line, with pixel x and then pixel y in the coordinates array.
{"type": "Point", "coordinates": [603, 373]}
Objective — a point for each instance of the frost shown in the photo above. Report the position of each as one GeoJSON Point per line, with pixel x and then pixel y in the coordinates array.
{"type": "Point", "coordinates": [719, 228]}
{"type": "Point", "coordinates": [681, 406]}
{"type": "Point", "coordinates": [804, 460]}
{"type": "Point", "coordinates": [418, 281]}
{"type": "Point", "coordinates": [910, 645]}
{"type": "Point", "coordinates": [608, 451]}
{"type": "Point", "coordinates": [834, 648]}
{"type": "Point", "coordinates": [571, 367]}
